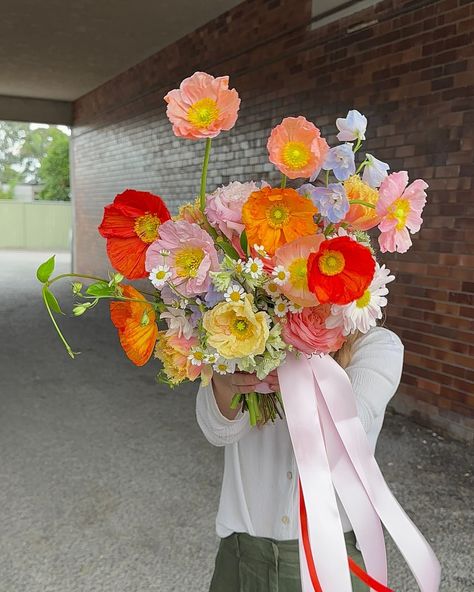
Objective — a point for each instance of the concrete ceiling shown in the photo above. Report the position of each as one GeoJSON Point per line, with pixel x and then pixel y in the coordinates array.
{"type": "Point", "coordinates": [62, 49]}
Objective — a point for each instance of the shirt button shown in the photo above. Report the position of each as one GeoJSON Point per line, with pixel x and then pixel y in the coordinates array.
{"type": "Point", "coordinates": [285, 520]}
{"type": "Point", "coordinates": [289, 475]}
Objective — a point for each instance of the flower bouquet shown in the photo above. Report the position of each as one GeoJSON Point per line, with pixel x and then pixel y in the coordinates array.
{"type": "Point", "coordinates": [251, 277]}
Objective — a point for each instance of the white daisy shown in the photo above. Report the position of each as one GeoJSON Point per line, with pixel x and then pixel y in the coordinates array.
{"type": "Point", "coordinates": [224, 366]}
{"type": "Point", "coordinates": [211, 358]}
{"type": "Point", "coordinates": [272, 289]}
{"type": "Point", "coordinates": [281, 307]}
{"type": "Point", "coordinates": [280, 275]}
{"type": "Point", "coordinates": [160, 275]}
{"type": "Point", "coordinates": [239, 266]}
{"type": "Point", "coordinates": [196, 356]}
{"type": "Point", "coordinates": [363, 313]}
{"type": "Point", "coordinates": [254, 267]}
{"type": "Point", "coordinates": [260, 250]}
{"type": "Point", "coordinates": [295, 307]}
{"type": "Point", "coordinates": [234, 293]}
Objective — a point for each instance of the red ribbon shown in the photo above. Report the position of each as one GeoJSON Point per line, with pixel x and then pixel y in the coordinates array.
{"type": "Point", "coordinates": [355, 569]}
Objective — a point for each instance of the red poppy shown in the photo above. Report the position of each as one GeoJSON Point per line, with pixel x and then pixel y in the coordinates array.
{"type": "Point", "coordinates": [136, 324]}
{"type": "Point", "coordinates": [340, 271]}
{"type": "Point", "coordinates": [130, 224]}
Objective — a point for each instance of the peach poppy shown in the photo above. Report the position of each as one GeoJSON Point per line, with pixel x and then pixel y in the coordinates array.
{"type": "Point", "coordinates": [340, 271]}
{"type": "Point", "coordinates": [202, 107]}
{"type": "Point", "coordinates": [136, 324]}
{"type": "Point", "coordinates": [274, 217]}
{"type": "Point", "coordinates": [361, 217]}
{"type": "Point", "coordinates": [296, 147]}
{"type": "Point", "coordinates": [130, 224]}
{"type": "Point", "coordinates": [294, 259]}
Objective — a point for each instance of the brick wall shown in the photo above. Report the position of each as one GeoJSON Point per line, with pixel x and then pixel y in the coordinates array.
{"type": "Point", "coordinates": [410, 72]}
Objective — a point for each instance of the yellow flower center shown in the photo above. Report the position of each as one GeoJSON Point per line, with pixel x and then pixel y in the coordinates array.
{"type": "Point", "coordinates": [222, 367]}
{"type": "Point", "coordinates": [272, 287]}
{"type": "Point", "coordinates": [146, 227]}
{"type": "Point", "coordinates": [299, 273]}
{"type": "Point", "coordinates": [188, 260]}
{"type": "Point", "coordinates": [400, 210]}
{"type": "Point", "coordinates": [198, 355]}
{"type": "Point", "coordinates": [235, 296]}
{"type": "Point", "coordinates": [364, 300]}
{"type": "Point", "coordinates": [254, 268]}
{"type": "Point", "coordinates": [238, 268]}
{"type": "Point", "coordinates": [331, 263]}
{"type": "Point", "coordinates": [277, 216]}
{"type": "Point", "coordinates": [241, 328]}
{"type": "Point", "coordinates": [203, 113]}
{"type": "Point", "coordinates": [296, 155]}
{"type": "Point", "coordinates": [281, 275]}
{"type": "Point", "coordinates": [160, 275]}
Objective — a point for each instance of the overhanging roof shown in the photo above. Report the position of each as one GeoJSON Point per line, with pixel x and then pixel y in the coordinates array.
{"type": "Point", "coordinates": [58, 50]}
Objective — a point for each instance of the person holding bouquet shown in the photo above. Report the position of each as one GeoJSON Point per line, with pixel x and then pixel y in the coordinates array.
{"type": "Point", "coordinates": [257, 519]}
{"type": "Point", "coordinates": [272, 296]}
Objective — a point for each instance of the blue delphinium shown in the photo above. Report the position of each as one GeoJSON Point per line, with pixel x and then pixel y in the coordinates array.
{"type": "Point", "coordinates": [340, 160]}
{"type": "Point", "coordinates": [331, 201]}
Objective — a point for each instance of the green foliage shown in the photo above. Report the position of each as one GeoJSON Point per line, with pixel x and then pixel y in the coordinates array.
{"type": "Point", "coordinates": [44, 271]}
{"type": "Point", "coordinates": [54, 169]}
{"type": "Point", "coordinates": [31, 155]}
{"type": "Point", "coordinates": [52, 301]}
{"type": "Point", "coordinates": [244, 243]}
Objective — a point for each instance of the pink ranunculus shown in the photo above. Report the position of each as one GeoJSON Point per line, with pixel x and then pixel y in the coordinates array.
{"type": "Point", "coordinates": [224, 207]}
{"type": "Point", "coordinates": [202, 107]}
{"type": "Point", "coordinates": [399, 207]}
{"type": "Point", "coordinates": [307, 331]}
{"type": "Point", "coordinates": [296, 148]}
{"type": "Point", "coordinates": [189, 252]}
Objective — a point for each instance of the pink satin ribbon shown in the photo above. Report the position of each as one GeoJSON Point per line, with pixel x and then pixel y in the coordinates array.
{"type": "Point", "coordinates": [333, 454]}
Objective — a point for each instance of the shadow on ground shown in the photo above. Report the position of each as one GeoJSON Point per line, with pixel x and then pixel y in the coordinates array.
{"type": "Point", "coordinates": [108, 485]}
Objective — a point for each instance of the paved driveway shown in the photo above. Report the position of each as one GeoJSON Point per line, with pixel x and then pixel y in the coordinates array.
{"type": "Point", "coordinates": [107, 485]}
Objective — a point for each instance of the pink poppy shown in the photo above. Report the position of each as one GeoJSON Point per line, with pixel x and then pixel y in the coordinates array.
{"type": "Point", "coordinates": [294, 258]}
{"type": "Point", "coordinates": [202, 107]}
{"type": "Point", "coordinates": [399, 207]}
{"type": "Point", "coordinates": [296, 148]}
{"type": "Point", "coordinates": [307, 331]}
{"type": "Point", "coordinates": [189, 252]}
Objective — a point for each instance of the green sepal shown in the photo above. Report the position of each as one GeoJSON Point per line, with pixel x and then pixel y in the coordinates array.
{"type": "Point", "coordinates": [51, 300]}
{"type": "Point", "coordinates": [44, 271]}
{"type": "Point", "coordinates": [100, 289]}
{"type": "Point", "coordinates": [244, 242]}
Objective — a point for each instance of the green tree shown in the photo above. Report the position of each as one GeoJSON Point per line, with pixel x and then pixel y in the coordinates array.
{"type": "Point", "coordinates": [54, 169]}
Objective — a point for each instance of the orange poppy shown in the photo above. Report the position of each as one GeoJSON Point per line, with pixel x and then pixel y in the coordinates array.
{"type": "Point", "coordinates": [136, 324]}
{"type": "Point", "coordinates": [130, 224]}
{"type": "Point", "coordinates": [340, 271]}
{"type": "Point", "coordinates": [274, 217]}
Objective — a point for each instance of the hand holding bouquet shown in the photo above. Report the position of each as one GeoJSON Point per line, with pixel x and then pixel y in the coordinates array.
{"type": "Point", "coordinates": [248, 272]}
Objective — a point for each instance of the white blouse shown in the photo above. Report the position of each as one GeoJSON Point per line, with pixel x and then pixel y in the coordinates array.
{"type": "Point", "coordinates": [259, 493]}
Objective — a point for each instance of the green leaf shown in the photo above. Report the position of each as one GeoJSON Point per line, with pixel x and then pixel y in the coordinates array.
{"type": "Point", "coordinates": [244, 243]}
{"type": "Point", "coordinates": [100, 289]}
{"type": "Point", "coordinates": [44, 271]}
{"type": "Point", "coordinates": [52, 302]}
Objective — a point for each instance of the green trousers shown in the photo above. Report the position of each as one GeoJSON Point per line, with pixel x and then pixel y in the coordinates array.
{"type": "Point", "coordinates": [253, 564]}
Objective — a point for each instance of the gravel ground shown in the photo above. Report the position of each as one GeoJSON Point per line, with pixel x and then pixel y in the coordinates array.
{"type": "Point", "coordinates": [108, 485]}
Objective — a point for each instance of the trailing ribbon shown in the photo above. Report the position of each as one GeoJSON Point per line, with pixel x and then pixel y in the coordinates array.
{"type": "Point", "coordinates": [333, 455]}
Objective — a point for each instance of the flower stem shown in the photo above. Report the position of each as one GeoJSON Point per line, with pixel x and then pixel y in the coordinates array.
{"type": "Point", "coordinates": [361, 166]}
{"type": "Point", "coordinates": [283, 181]}
{"type": "Point", "coordinates": [58, 330]}
{"type": "Point", "coordinates": [362, 203]}
{"type": "Point", "coordinates": [205, 165]}
{"type": "Point", "coordinates": [358, 145]}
